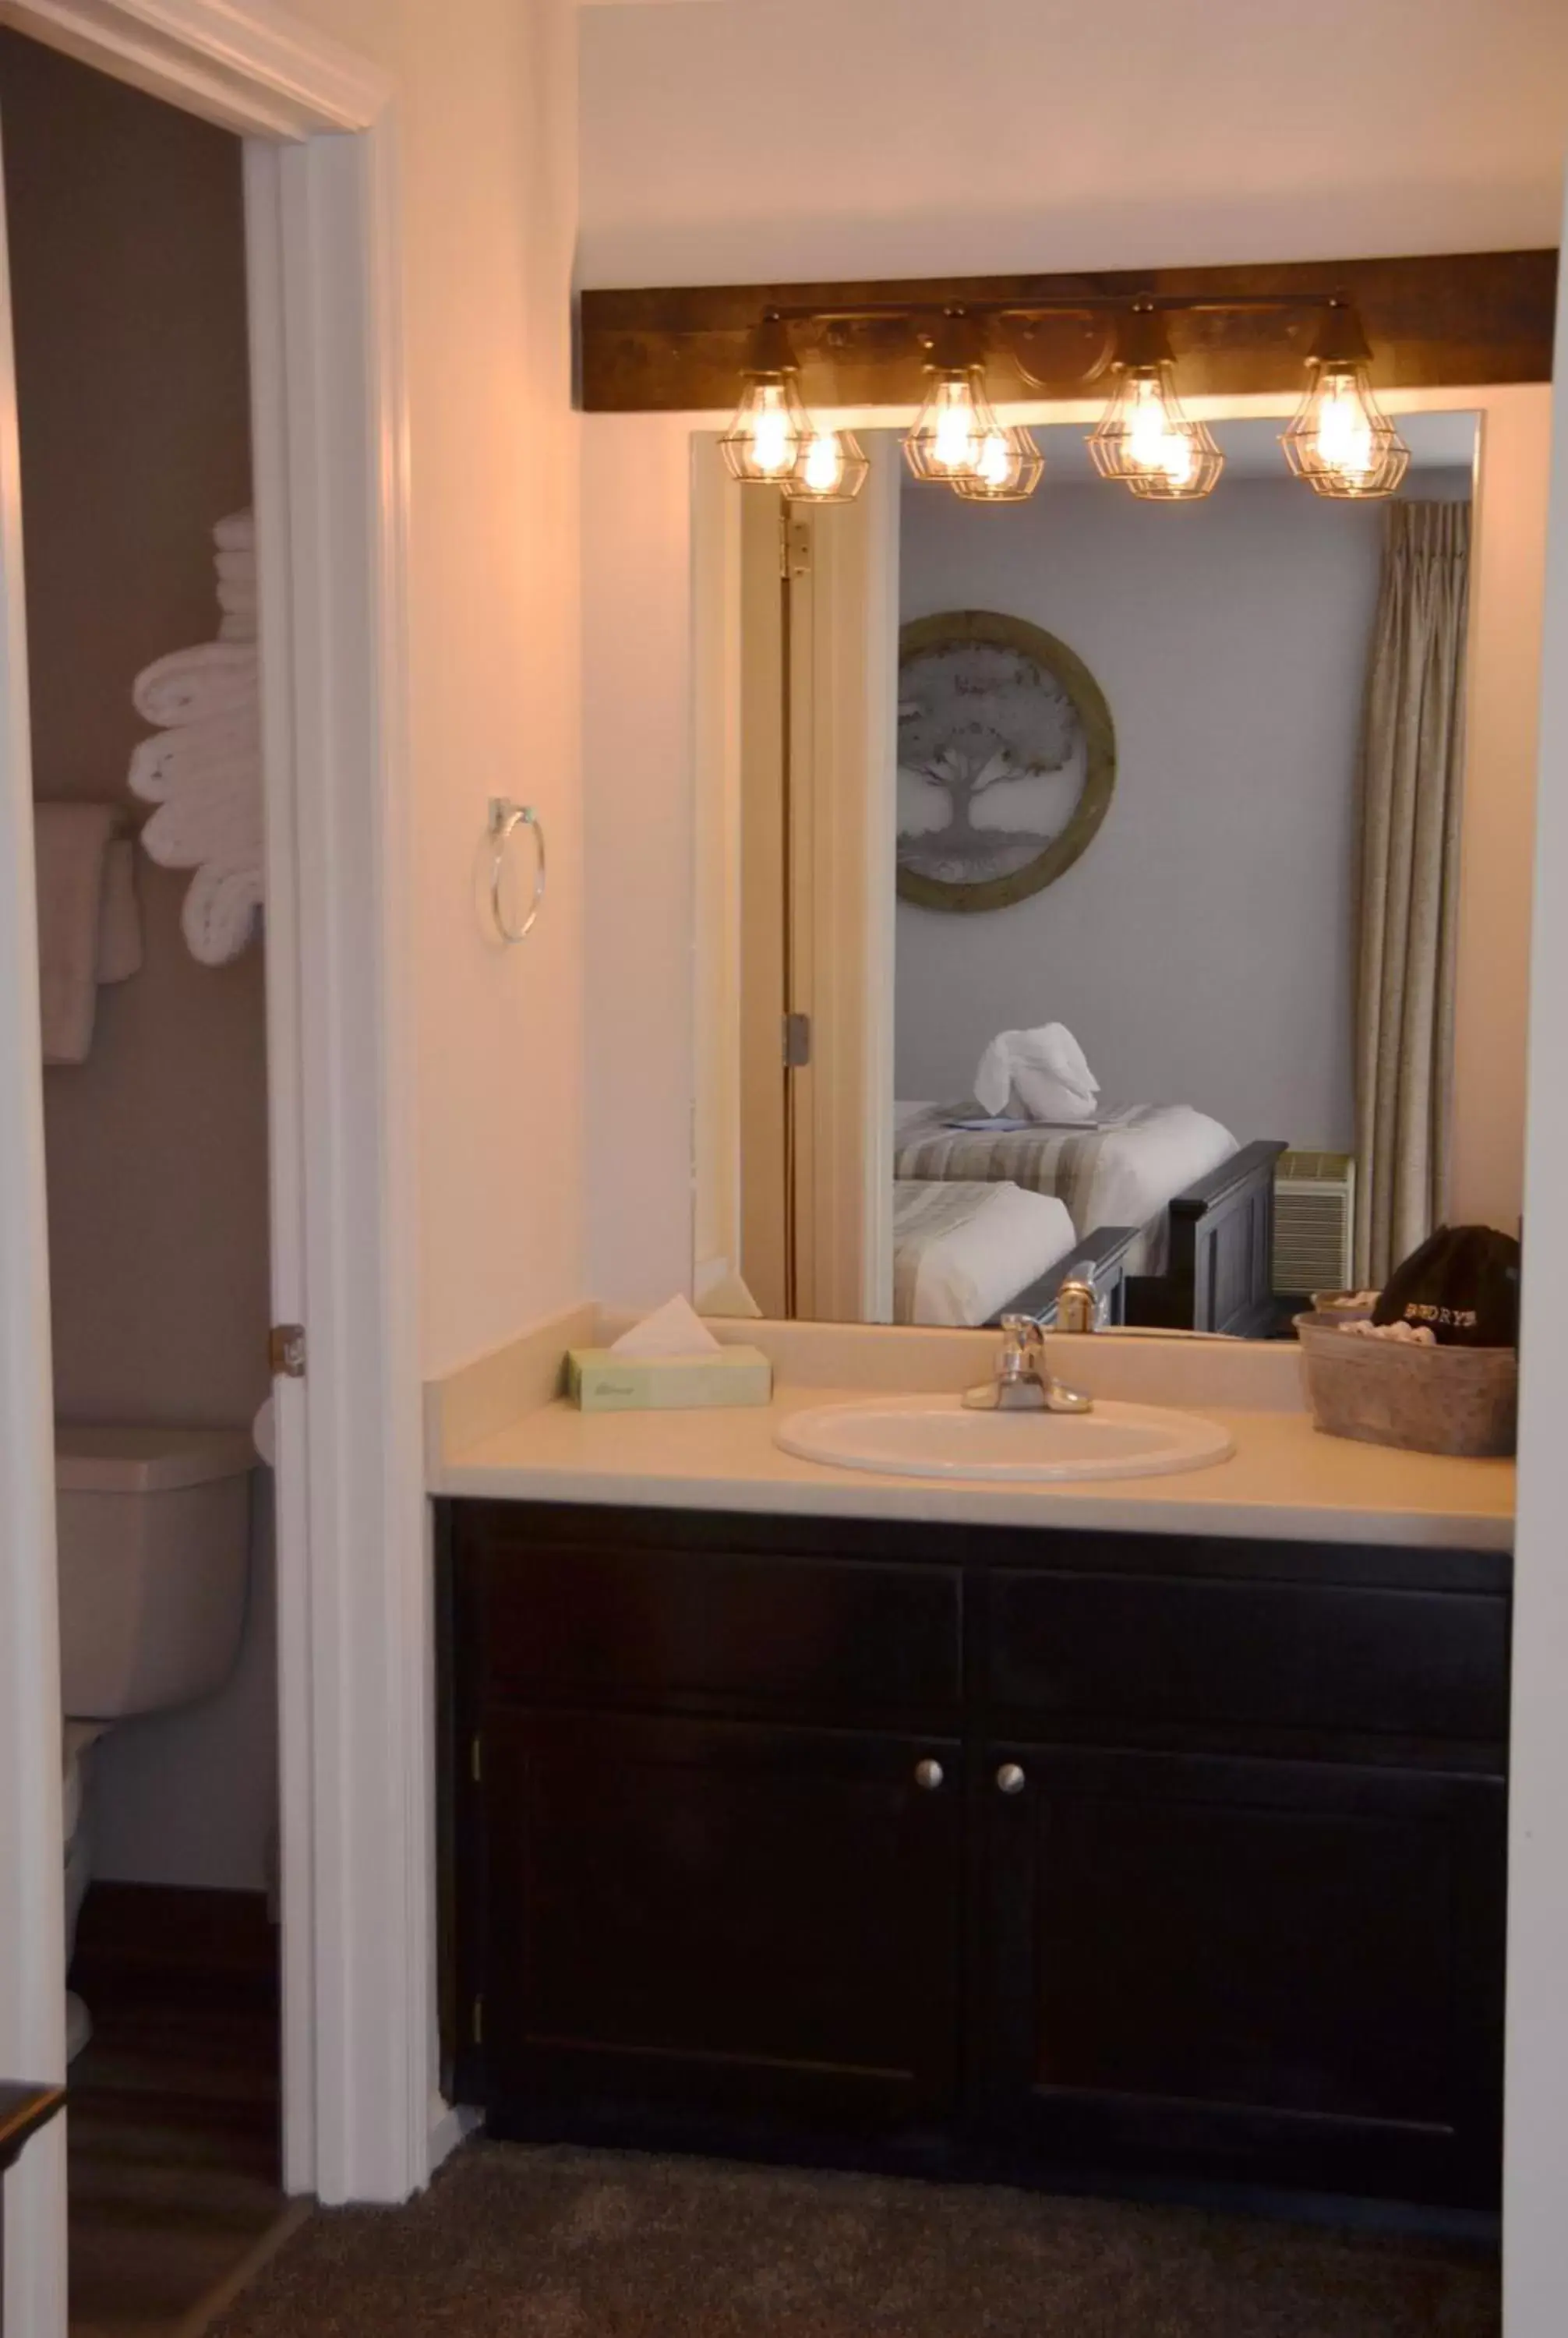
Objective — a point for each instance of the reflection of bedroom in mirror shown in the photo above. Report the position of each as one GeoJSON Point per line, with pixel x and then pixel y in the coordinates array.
{"type": "Point", "coordinates": [1097, 867]}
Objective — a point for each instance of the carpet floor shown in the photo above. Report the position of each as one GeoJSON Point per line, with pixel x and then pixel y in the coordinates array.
{"type": "Point", "coordinates": [512, 2243]}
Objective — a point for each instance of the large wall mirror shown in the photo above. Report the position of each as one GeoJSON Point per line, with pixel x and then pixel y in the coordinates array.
{"type": "Point", "coordinates": [1087, 868]}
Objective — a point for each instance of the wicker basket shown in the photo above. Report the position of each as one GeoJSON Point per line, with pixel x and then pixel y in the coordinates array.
{"type": "Point", "coordinates": [1425, 1399]}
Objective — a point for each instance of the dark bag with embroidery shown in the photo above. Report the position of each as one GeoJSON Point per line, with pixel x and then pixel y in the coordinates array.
{"type": "Point", "coordinates": [1463, 1281]}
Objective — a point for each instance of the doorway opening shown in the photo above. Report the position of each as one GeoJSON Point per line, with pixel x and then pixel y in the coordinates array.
{"type": "Point", "coordinates": [130, 320]}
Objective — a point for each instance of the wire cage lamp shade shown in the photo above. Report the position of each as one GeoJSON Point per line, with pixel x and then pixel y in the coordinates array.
{"type": "Point", "coordinates": [830, 467]}
{"type": "Point", "coordinates": [1145, 439]}
{"type": "Point", "coordinates": [957, 422]}
{"type": "Point", "coordinates": [769, 425]}
{"type": "Point", "coordinates": [1008, 469]}
{"type": "Point", "coordinates": [1341, 441]}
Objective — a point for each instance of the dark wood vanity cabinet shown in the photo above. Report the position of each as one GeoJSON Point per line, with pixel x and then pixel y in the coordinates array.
{"type": "Point", "coordinates": [1273, 1970]}
{"type": "Point", "coordinates": [720, 1917]}
{"type": "Point", "coordinates": [1119, 1857]}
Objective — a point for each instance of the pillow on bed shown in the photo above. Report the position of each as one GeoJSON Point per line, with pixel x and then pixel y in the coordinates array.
{"type": "Point", "coordinates": [963, 1251]}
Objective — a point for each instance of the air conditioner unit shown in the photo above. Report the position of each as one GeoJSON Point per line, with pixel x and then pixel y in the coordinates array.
{"type": "Point", "coordinates": [1314, 1221]}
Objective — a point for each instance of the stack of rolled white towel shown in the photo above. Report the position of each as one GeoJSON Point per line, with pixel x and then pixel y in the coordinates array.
{"type": "Point", "coordinates": [203, 770]}
{"type": "Point", "coordinates": [1041, 1076]}
{"type": "Point", "coordinates": [236, 540]}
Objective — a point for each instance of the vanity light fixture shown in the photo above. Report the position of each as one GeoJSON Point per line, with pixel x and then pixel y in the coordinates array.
{"type": "Point", "coordinates": [1009, 469]}
{"type": "Point", "coordinates": [763, 442]}
{"type": "Point", "coordinates": [831, 467]}
{"type": "Point", "coordinates": [1143, 439]}
{"type": "Point", "coordinates": [1341, 442]}
{"type": "Point", "coordinates": [954, 427]}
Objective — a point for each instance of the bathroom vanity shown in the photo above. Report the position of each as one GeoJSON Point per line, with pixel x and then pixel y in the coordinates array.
{"type": "Point", "coordinates": [1081, 1849]}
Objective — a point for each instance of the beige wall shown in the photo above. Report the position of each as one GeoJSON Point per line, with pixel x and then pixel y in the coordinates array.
{"type": "Point", "coordinates": [1492, 999]}
{"type": "Point", "coordinates": [487, 105]}
{"type": "Point", "coordinates": [129, 293]}
{"type": "Point", "coordinates": [779, 141]}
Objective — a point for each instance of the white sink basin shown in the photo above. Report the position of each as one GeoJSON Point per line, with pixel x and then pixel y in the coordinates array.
{"type": "Point", "coordinates": [937, 1436]}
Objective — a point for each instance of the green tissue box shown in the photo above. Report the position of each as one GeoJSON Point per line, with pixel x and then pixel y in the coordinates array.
{"type": "Point", "coordinates": [600, 1381]}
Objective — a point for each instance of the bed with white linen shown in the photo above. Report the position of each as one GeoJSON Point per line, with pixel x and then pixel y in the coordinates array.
{"type": "Point", "coordinates": [1201, 1205]}
{"type": "Point", "coordinates": [963, 1251]}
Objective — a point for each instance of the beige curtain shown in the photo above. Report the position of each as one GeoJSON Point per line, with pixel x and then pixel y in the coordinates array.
{"type": "Point", "coordinates": [1412, 758]}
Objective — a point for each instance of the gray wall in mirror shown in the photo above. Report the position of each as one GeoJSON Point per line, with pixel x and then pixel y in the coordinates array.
{"type": "Point", "coordinates": [1202, 949]}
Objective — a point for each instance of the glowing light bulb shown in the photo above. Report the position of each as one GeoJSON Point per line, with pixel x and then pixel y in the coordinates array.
{"type": "Point", "coordinates": [824, 464]}
{"type": "Point", "coordinates": [772, 440]}
{"type": "Point", "coordinates": [1341, 442]}
{"type": "Point", "coordinates": [831, 467]}
{"type": "Point", "coordinates": [1143, 439]}
{"type": "Point", "coordinates": [954, 446]}
{"type": "Point", "coordinates": [1345, 435]}
{"type": "Point", "coordinates": [1181, 459]}
{"type": "Point", "coordinates": [953, 427]}
{"type": "Point", "coordinates": [1147, 428]}
{"type": "Point", "coordinates": [994, 465]}
{"type": "Point", "coordinates": [769, 428]}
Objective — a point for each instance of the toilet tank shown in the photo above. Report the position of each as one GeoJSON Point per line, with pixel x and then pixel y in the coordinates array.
{"type": "Point", "coordinates": [155, 1535]}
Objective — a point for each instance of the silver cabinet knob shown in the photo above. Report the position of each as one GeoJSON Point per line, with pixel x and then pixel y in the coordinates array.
{"type": "Point", "coordinates": [929, 1774]}
{"type": "Point", "coordinates": [1010, 1779]}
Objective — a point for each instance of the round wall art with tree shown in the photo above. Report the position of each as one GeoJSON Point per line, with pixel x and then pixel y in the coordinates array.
{"type": "Point", "coordinates": [1006, 760]}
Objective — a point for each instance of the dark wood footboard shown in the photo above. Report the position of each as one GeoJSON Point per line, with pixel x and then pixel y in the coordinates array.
{"type": "Point", "coordinates": [1220, 1274]}
{"type": "Point", "coordinates": [1101, 1258]}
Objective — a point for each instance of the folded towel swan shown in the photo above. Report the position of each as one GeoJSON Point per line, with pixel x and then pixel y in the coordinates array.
{"type": "Point", "coordinates": [1040, 1074]}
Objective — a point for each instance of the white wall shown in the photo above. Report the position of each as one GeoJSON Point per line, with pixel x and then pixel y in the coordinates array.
{"type": "Point", "coordinates": [793, 139]}
{"type": "Point", "coordinates": [1536, 2145]}
{"type": "Point", "coordinates": [487, 94]}
{"type": "Point", "coordinates": [1203, 947]}
{"type": "Point", "coordinates": [640, 855]}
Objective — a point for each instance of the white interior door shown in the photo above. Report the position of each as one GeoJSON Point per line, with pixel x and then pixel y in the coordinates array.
{"type": "Point", "coordinates": [31, 1915]}
{"type": "Point", "coordinates": [843, 667]}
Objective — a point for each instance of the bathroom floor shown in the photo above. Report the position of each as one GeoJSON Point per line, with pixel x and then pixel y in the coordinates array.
{"type": "Point", "coordinates": [174, 2106]}
{"type": "Point", "coordinates": [511, 2243]}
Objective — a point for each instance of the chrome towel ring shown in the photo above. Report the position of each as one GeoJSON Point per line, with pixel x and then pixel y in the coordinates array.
{"type": "Point", "coordinates": [505, 819]}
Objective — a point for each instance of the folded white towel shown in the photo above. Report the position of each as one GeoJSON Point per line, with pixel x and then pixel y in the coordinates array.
{"type": "Point", "coordinates": [1040, 1074]}
{"type": "Point", "coordinates": [237, 627]}
{"type": "Point", "coordinates": [235, 567]}
{"type": "Point", "coordinates": [184, 756]}
{"type": "Point", "coordinates": [88, 930]}
{"type": "Point", "coordinates": [221, 904]}
{"type": "Point", "coordinates": [237, 533]}
{"type": "Point", "coordinates": [188, 685]}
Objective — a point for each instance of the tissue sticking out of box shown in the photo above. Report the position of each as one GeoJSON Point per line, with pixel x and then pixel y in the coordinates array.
{"type": "Point", "coordinates": [670, 1362]}
{"type": "Point", "coordinates": [673, 1330]}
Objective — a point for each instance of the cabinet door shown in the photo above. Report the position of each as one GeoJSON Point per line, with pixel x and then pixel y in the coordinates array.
{"type": "Point", "coordinates": [719, 1918]}
{"type": "Point", "coordinates": [1282, 1972]}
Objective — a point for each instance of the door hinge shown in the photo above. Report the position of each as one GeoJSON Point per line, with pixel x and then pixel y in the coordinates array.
{"type": "Point", "coordinates": [476, 1760]}
{"type": "Point", "coordinates": [796, 1042]}
{"type": "Point", "coordinates": [286, 1350]}
{"type": "Point", "coordinates": [476, 2021]}
{"type": "Point", "coordinates": [794, 543]}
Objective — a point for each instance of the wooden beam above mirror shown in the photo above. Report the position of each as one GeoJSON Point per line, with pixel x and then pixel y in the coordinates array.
{"type": "Point", "coordinates": [1455, 319]}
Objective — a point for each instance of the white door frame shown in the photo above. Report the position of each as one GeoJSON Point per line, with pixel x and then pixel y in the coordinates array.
{"type": "Point", "coordinates": [324, 241]}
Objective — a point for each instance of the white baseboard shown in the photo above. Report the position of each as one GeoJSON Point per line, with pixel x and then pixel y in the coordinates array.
{"type": "Point", "coordinates": [450, 2125]}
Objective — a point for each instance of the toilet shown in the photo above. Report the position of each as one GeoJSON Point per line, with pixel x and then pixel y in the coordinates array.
{"type": "Point", "coordinates": [154, 1534]}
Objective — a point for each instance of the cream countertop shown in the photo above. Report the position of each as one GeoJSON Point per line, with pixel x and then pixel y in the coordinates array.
{"type": "Point", "coordinates": [499, 1437]}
